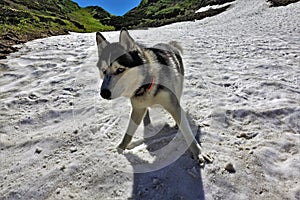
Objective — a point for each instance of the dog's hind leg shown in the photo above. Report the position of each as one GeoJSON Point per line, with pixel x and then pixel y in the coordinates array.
{"type": "Point", "coordinates": [137, 115]}
{"type": "Point", "coordinates": [172, 105]}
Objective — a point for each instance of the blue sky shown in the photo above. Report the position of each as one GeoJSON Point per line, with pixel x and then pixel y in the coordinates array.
{"type": "Point", "coordinates": [116, 7]}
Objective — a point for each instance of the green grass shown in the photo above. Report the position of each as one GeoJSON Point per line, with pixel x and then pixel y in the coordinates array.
{"type": "Point", "coordinates": [21, 21]}
{"type": "Point", "coordinates": [31, 24]}
{"type": "Point", "coordinates": [83, 16]}
{"type": "Point", "coordinates": [56, 17]}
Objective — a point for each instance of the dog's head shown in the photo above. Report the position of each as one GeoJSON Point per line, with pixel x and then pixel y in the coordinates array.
{"type": "Point", "coordinates": [120, 66]}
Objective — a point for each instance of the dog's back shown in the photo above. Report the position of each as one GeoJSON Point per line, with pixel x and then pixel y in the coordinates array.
{"type": "Point", "coordinates": [171, 70]}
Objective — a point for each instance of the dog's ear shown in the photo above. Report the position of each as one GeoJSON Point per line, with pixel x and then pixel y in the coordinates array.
{"type": "Point", "coordinates": [101, 42]}
{"type": "Point", "coordinates": [126, 40]}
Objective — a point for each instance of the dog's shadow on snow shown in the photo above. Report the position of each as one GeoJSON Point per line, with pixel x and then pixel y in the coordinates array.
{"type": "Point", "coordinates": [180, 179]}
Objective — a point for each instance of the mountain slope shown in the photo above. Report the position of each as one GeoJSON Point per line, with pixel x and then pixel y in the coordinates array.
{"type": "Point", "coordinates": [52, 14]}
{"type": "Point", "coordinates": [21, 21]}
{"type": "Point", "coordinates": [153, 13]}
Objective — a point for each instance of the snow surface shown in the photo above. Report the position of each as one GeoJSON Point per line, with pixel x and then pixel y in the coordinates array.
{"type": "Point", "coordinates": [206, 8]}
{"type": "Point", "coordinates": [58, 137]}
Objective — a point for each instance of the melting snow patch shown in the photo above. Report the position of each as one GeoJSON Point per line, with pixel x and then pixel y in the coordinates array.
{"type": "Point", "coordinates": [206, 8]}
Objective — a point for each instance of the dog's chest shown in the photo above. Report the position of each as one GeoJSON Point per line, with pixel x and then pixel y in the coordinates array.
{"type": "Point", "coordinates": [149, 100]}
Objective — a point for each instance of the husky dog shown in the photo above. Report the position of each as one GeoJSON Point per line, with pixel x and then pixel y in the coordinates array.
{"type": "Point", "coordinates": [148, 76]}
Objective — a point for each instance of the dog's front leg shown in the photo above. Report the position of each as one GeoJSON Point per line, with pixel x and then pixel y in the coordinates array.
{"type": "Point", "coordinates": [137, 115]}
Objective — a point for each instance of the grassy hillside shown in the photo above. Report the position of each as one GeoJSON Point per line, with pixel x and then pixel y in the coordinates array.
{"type": "Point", "coordinates": [152, 13]}
{"type": "Point", "coordinates": [57, 14]}
{"type": "Point", "coordinates": [21, 21]}
{"type": "Point", "coordinates": [87, 18]}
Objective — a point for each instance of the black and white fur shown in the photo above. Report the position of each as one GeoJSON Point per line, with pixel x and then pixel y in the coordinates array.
{"type": "Point", "coordinates": [148, 76]}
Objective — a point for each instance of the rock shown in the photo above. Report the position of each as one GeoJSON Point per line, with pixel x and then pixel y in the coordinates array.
{"type": "Point", "coordinates": [230, 168]}
{"type": "Point", "coordinates": [33, 96]}
{"type": "Point", "coordinates": [247, 136]}
{"type": "Point", "coordinates": [73, 149]}
{"type": "Point", "coordinates": [62, 168]}
{"type": "Point", "coordinates": [38, 150]}
{"type": "Point", "coordinates": [58, 191]}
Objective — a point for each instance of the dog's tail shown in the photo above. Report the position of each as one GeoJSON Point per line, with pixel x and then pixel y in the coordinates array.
{"type": "Point", "coordinates": [177, 46]}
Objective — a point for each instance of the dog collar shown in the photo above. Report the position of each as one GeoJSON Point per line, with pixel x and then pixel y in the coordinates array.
{"type": "Point", "coordinates": [146, 88]}
{"type": "Point", "coordinates": [151, 85]}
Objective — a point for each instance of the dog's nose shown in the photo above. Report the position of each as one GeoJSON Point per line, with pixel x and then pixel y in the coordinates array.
{"type": "Point", "coordinates": [105, 93]}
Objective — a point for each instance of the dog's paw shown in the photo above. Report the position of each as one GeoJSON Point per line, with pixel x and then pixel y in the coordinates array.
{"type": "Point", "coordinates": [134, 144]}
{"type": "Point", "coordinates": [120, 150]}
{"type": "Point", "coordinates": [114, 149]}
{"type": "Point", "coordinates": [204, 159]}
{"type": "Point", "coordinates": [198, 155]}
{"type": "Point", "coordinates": [208, 158]}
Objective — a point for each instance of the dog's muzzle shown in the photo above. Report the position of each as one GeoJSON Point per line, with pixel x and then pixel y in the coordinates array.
{"type": "Point", "coordinates": [105, 94]}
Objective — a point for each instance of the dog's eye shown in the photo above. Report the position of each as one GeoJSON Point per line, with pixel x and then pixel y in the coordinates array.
{"type": "Point", "coordinates": [120, 70]}
{"type": "Point", "coordinates": [103, 71]}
